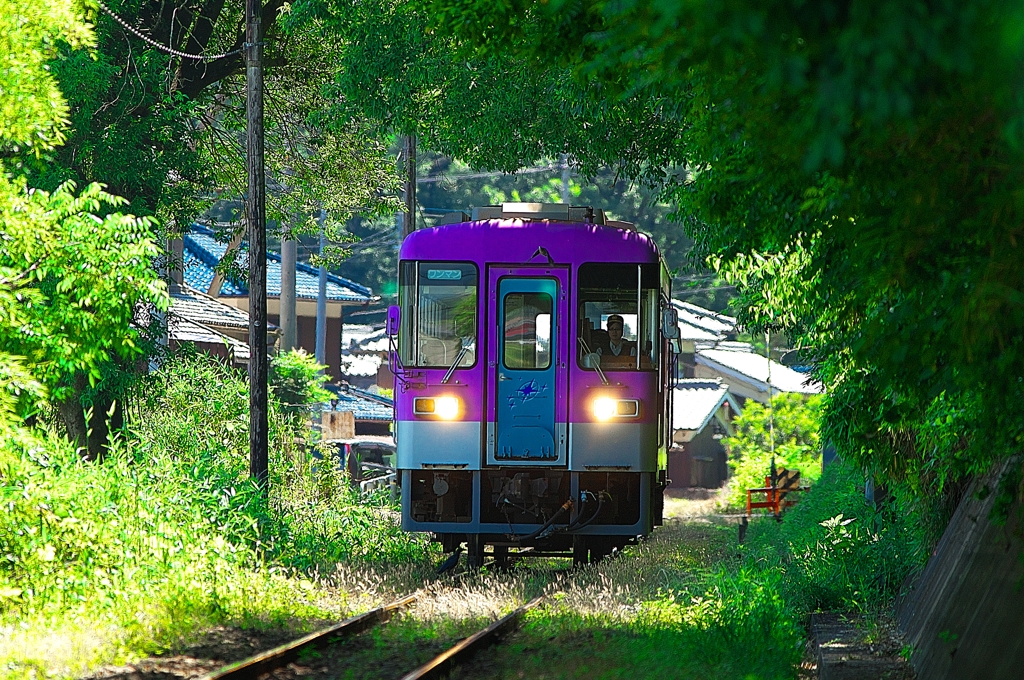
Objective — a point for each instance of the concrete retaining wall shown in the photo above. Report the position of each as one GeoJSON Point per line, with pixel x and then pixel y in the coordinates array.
{"type": "Point", "coordinates": [965, 614]}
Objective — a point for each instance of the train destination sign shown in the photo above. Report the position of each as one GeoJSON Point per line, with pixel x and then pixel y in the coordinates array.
{"type": "Point", "coordinates": [444, 274]}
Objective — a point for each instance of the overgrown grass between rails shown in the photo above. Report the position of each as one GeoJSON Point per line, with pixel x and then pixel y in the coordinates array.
{"type": "Point", "coordinates": [166, 536]}
{"type": "Point", "coordinates": [680, 604]}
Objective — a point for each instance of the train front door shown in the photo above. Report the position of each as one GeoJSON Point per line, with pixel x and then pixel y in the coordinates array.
{"type": "Point", "coordinates": [527, 361]}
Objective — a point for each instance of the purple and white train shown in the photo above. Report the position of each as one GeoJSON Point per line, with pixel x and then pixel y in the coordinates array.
{"type": "Point", "coordinates": [534, 363]}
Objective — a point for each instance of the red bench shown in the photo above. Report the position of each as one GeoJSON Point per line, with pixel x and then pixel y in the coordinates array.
{"type": "Point", "coordinates": [775, 491]}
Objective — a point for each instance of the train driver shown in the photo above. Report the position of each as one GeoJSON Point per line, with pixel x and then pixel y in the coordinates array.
{"type": "Point", "coordinates": [617, 347]}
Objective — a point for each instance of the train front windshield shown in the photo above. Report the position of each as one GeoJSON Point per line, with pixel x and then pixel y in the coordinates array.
{"type": "Point", "coordinates": [618, 316]}
{"type": "Point", "coordinates": [439, 303]}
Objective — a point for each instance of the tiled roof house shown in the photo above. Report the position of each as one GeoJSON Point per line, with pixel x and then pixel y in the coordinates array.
{"type": "Point", "coordinates": [211, 325]}
{"type": "Point", "coordinates": [750, 375]}
{"type": "Point", "coordinates": [201, 253]}
{"type": "Point", "coordinates": [702, 413]}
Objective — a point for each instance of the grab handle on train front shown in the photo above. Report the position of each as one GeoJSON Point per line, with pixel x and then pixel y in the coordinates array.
{"type": "Point", "coordinates": [394, 319]}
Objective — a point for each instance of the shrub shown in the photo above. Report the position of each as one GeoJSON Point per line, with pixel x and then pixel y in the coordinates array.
{"type": "Point", "coordinates": [840, 552]}
{"type": "Point", "coordinates": [297, 382]}
{"type": "Point", "coordinates": [167, 534]}
{"type": "Point", "coordinates": [797, 445]}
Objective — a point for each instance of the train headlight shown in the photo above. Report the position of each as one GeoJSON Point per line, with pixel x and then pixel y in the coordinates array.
{"type": "Point", "coordinates": [604, 408]}
{"type": "Point", "coordinates": [445, 408]}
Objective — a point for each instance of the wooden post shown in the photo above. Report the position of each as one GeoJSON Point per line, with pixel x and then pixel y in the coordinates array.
{"type": "Point", "coordinates": [176, 264]}
{"type": "Point", "coordinates": [335, 425]}
{"type": "Point", "coordinates": [409, 223]}
{"type": "Point", "coordinates": [256, 221]}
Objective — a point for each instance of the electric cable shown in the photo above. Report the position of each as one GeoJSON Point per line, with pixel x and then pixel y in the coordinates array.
{"type": "Point", "coordinates": [551, 520]}
{"type": "Point", "coordinates": [160, 46]}
{"type": "Point", "coordinates": [600, 504]}
{"type": "Point", "coordinates": [583, 504]}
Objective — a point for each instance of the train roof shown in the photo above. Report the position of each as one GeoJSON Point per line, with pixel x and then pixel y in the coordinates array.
{"type": "Point", "coordinates": [514, 232]}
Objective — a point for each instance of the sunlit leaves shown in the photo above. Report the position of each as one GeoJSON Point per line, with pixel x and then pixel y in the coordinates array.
{"type": "Point", "coordinates": [32, 110]}
{"type": "Point", "coordinates": [788, 430]}
{"type": "Point", "coordinates": [75, 280]}
{"type": "Point", "coordinates": [70, 278]}
{"type": "Point", "coordinates": [297, 382]}
{"type": "Point", "coordinates": [880, 142]}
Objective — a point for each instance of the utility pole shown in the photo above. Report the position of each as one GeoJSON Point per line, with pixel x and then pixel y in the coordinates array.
{"type": "Point", "coordinates": [409, 223]}
{"type": "Point", "coordinates": [564, 162]}
{"type": "Point", "coordinates": [289, 330]}
{"type": "Point", "coordinates": [256, 220]}
{"type": "Point", "coordinates": [321, 298]}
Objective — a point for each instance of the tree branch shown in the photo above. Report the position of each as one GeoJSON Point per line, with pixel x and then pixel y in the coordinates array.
{"type": "Point", "coordinates": [197, 76]}
{"type": "Point", "coordinates": [23, 274]}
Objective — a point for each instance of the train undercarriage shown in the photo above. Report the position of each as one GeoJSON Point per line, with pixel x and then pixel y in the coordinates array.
{"type": "Point", "coordinates": [537, 512]}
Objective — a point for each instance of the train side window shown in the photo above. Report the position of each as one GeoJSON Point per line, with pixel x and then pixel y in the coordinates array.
{"type": "Point", "coordinates": [439, 313]}
{"type": "Point", "coordinates": [526, 343]}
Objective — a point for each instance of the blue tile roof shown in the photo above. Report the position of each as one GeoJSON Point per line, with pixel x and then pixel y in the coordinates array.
{"type": "Point", "coordinates": [364, 405]}
{"type": "Point", "coordinates": [203, 251]}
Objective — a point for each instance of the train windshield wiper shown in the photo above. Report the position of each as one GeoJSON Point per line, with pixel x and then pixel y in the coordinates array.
{"type": "Point", "coordinates": [597, 366]}
{"type": "Point", "coordinates": [466, 344]}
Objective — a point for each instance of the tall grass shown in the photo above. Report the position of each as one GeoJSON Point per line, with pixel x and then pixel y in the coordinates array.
{"type": "Point", "coordinates": [167, 536]}
{"type": "Point", "coordinates": [835, 551]}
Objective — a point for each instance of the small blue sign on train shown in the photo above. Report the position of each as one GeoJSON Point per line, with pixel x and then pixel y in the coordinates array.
{"type": "Point", "coordinates": [444, 274]}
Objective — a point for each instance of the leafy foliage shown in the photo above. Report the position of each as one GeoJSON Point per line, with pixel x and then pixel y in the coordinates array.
{"type": "Point", "coordinates": [166, 535]}
{"type": "Point", "coordinates": [858, 169]}
{"type": "Point", "coordinates": [74, 281]}
{"type": "Point", "coordinates": [840, 553]}
{"type": "Point", "coordinates": [398, 73]}
{"type": "Point", "coordinates": [32, 111]}
{"type": "Point", "coordinates": [792, 422]}
{"type": "Point", "coordinates": [70, 281]}
{"type": "Point", "coordinates": [297, 380]}
{"type": "Point", "coordinates": [314, 162]}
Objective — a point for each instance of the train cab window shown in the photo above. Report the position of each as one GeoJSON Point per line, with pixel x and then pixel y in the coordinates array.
{"type": "Point", "coordinates": [618, 316]}
{"type": "Point", "coordinates": [526, 332]}
{"type": "Point", "coordinates": [439, 314]}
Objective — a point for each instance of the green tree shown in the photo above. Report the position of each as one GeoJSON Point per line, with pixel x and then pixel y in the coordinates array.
{"type": "Point", "coordinates": [855, 167]}
{"type": "Point", "coordinates": [166, 133]}
{"type": "Point", "coordinates": [297, 382]}
{"type": "Point", "coordinates": [71, 282]}
{"type": "Point", "coordinates": [789, 427]}
{"type": "Point", "coordinates": [399, 74]}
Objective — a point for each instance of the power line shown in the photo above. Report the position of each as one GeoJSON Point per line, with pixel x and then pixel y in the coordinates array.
{"type": "Point", "coordinates": [162, 47]}
{"type": "Point", "coordinates": [479, 175]}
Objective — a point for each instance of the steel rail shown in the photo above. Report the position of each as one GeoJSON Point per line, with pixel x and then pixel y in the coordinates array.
{"type": "Point", "coordinates": [271, 659]}
{"type": "Point", "coordinates": [445, 662]}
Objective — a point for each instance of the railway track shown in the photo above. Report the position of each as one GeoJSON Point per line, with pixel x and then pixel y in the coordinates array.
{"type": "Point", "coordinates": [444, 663]}
{"type": "Point", "coordinates": [272, 659]}
{"type": "Point", "coordinates": [440, 666]}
